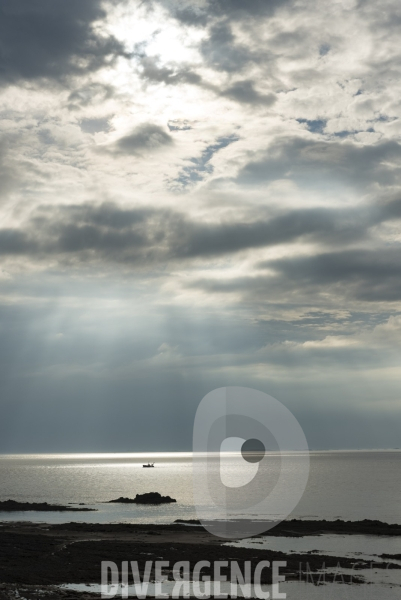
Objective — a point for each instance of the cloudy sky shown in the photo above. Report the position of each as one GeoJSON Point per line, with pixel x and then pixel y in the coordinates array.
{"type": "Point", "coordinates": [194, 195]}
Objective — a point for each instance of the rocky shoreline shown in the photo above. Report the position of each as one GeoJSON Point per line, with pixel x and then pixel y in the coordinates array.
{"type": "Point", "coordinates": [14, 506]}
{"type": "Point", "coordinates": [301, 528]}
{"type": "Point", "coordinates": [36, 558]}
{"type": "Point", "coordinates": [43, 555]}
{"type": "Point", "coordinates": [147, 498]}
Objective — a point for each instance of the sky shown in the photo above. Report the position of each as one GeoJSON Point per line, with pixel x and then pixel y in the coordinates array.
{"type": "Point", "coordinates": [196, 195]}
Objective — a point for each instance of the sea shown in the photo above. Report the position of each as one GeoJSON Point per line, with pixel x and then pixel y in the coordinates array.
{"type": "Point", "coordinates": [347, 485]}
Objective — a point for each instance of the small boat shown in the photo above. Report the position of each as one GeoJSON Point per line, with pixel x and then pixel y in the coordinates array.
{"type": "Point", "coordinates": [148, 466]}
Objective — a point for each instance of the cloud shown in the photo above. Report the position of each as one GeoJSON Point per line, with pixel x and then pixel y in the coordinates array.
{"type": "Point", "coordinates": [8, 172]}
{"type": "Point", "coordinates": [223, 52]}
{"type": "Point", "coordinates": [202, 12]}
{"type": "Point", "coordinates": [244, 91]}
{"type": "Point", "coordinates": [147, 235]}
{"type": "Point", "coordinates": [52, 39]}
{"type": "Point", "coordinates": [89, 94]}
{"type": "Point", "coordinates": [94, 125]}
{"type": "Point", "coordinates": [147, 136]}
{"type": "Point", "coordinates": [310, 162]}
{"type": "Point", "coordinates": [349, 277]}
{"type": "Point", "coordinates": [369, 275]}
{"type": "Point", "coordinates": [172, 75]}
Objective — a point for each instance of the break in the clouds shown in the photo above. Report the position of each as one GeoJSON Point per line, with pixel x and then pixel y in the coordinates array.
{"type": "Point", "coordinates": [196, 195]}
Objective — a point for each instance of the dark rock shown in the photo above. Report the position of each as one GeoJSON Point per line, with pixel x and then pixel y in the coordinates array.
{"type": "Point", "coordinates": [148, 498]}
{"type": "Point", "coordinates": [13, 505]}
{"type": "Point", "coordinates": [188, 521]}
{"type": "Point", "coordinates": [123, 500]}
{"type": "Point", "coordinates": [393, 556]}
{"type": "Point", "coordinates": [153, 498]}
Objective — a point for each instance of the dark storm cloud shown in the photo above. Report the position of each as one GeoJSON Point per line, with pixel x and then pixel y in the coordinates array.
{"type": "Point", "coordinates": [52, 39]}
{"type": "Point", "coordinates": [221, 50]}
{"type": "Point", "coordinates": [13, 241]}
{"type": "Point", "coordinates": [191, 13]}
{"type": "Point", "coordinates": [143, 236]}
{"type": "Point", "coordinates": [310, 161]}
{"type": "Point", "coordinates": [8, 175]}
{"type": "Point", "coordinates": [244, 92]}
{"type": "Point", "coordinates": [95, 125]}
{"type": "Point", "coordinates": [88, 232]}
{"type": "Point", "coordinates": [391, 209]}
{"type": "Point", "coordinates": [147, 136]}
{"type": "Point", "coordinates": [364, 274]}
{"type": "Point", "coordinates": [315, 224]}
{"type": "Point", "coordinates": [239, 10]}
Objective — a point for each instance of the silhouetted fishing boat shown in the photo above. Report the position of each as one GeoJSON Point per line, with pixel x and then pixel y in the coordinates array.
{"type": "Point", "coordinates": [148, 466]}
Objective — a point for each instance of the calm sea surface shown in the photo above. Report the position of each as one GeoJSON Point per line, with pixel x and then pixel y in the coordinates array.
{"type": "Point", "coordinates": [344, 485]}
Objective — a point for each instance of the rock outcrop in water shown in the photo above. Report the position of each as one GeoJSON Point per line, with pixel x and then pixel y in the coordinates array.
{"type": "Point", "coordinates": [122, 500]}
{"type": "Point", "coordinates": [188, 521]}
{"type": "Point", "coordinates": [148, 498]}
{"type": "Point", "coordinates": [13, 505]}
